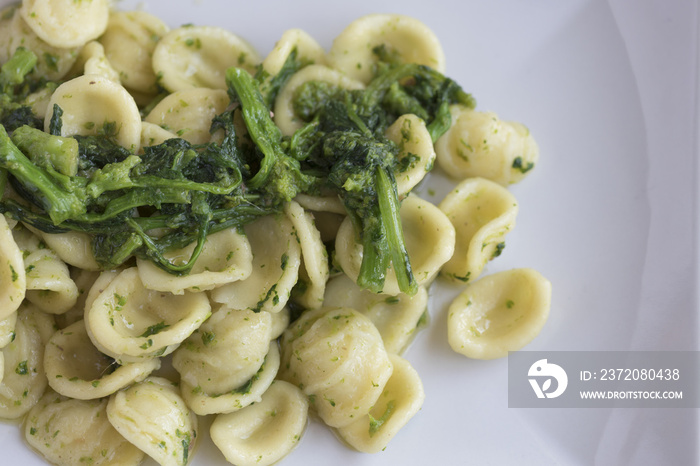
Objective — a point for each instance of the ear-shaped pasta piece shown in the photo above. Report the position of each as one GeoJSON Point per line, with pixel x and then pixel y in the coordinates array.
{"type": "Point", "coordinates": [482, 212]}
{"type": "Point", "coordinates": [416, 153]}
{"type": "Point", "coordinates": [263, 433]}
{"type": "Point", "coordinates": [396, 317]}
{"type": "Point", "coordinates": [188, 113]}
{"type": "Point", "coordinates": [198, 56]}
{"type": "Point", "coordinates": [225, 258]}
{"type": "Point", "coordinates": [92, 103]}
{"type": "Point", "coordinates": [405, 38]}
{"type": "Point", "coordinates": [129, 42]}
{"type": "Point", "coordinates": [92, 60]}
{"type": "Point", "coordinates": [313, 273]}
{"type": "Point", "coordinates": [238, 398]}
{"type": "Point", "coordinates": [429, 237]}
{"type": "Point", "coordinates": [479, 144]}
{"type": "Point", "coordinates": [73, 248]}
{"type": "Point", "coordinates": [75, 368]}
{"type": "Point", "coordinates": [153, 134]}
{"type": "Point", "coordinates": [52, 62]}
{"type": "Point", "coordinates": [280, 322]}
{"type": "Point", "coordinates": [67, 432]}
{"type": "Point", "coordinates": [49, 284]}
{"type": "Point", "coordinates": [499, 313]}
{"type": "Point", "coordinates": [331, 204]}
{"type": "Point", "coordinates": [7, 329]}
{"type": "Point", "coordinates": [66, 23]}
{"type": "Point", "coordinates": [401, 399]}
{"type": "Point", "coordinates": [308, 51]}
{"type": "Point", "coordinates": [285, 117]}
{"type": "Point", "coordinates": [336, 356]}
{"type": "Point", "coordinates": [12, 273]}
{"type": "Point", "coordinates": [24, 380]}
{"type": "Point", "coordinates": [276, 261]}
{"type": "Point", "coordinates": [153, 416]}
{"type": "Point", "coordinates": [130, 323]}
{"type": "Point", "coordinates": [84, 280]}
{"type": "Point", "coordinates": [225, 352]}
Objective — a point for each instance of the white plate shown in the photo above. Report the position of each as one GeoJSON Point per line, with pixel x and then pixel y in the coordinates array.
{"type": "Point", "coordinates": [609, 215]}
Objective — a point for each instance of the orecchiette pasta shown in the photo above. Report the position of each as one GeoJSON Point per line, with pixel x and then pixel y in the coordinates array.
{"type": "Point", "coordinates": [92, 60]}
{"type": "Point", "coordinates": [49, 285]}
{"type": "Point", "coordinates": [411, 41]}
{"type": "Point", "coordinates": [416, 156]}
{"type": "Point", "coordinates": [68, 432]}
{"type": "Point", "coordinates": [263, 433]}
{"type": "Point", "coordinates": [198, 56]}
{"type": "Point", "coordinates": [482, 212]}
{"type": "Point", "coordinates": [130, 323]}
{"type": "Point", "coordinates": [73, 248]}
{"type": "Point", "coordinates": [7, 329]}
{"type": "Point", "coordinates": [499, 313]}
{"type": "Point", "coordinates": [66, 23]}
{"type": "Point", "coordinates": [430, 240]}
{"type": "Point", "coordinates": [294, 40]}
{"type": "Point", "coordinates": [152, 415]}
{"type": "Point", "coordinates": [479, 144]}
{"type": "Point", "coordinates": [12, 272]}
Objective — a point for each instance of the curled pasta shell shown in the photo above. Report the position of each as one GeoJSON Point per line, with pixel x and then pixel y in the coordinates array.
{"type": "Point", "coordinates": [198, 56]}
{"type": "Point", "coordinates": [129, 42]}
{"type": "Point", "coordinates": [499, 313]}
{"type": "Point", "coordinates": [401, 399]}
{"type": "Point", "coordinates": [409, 39]}
{"type": "Point", "coordinates": [75, 368]}
{"type": "Point", "coordinates": [130, 323]}
{"type": "Point", "coordinates": [336, 356]}
{"type": "Point", "coordinates": [285, 117]}
{"type": "Point", "coordinates": [225, 258]}
{"type": "Point", "coordinates": [233, 400]}
{"type": "Point", "coordinates": [429, 237]}
{"type": "Point", "coordinates": [49, 284]}
{"type": "Point", "coordinates": [479, 144]}
{"type": "Point", "coordinates": [307, 49]}
{"type": "Point", "coordinates": [12, 272]}
{"type": "Point", "coordinates": [153, 134]}
{"type": "Point", "coordinates": [66, 23]}
{"type": "Point", "coordinates": [92, 60]}
{"type": "Point", "coordinates": [188, 113]}
{"type": "Point", "coordinates": [276, 261]}
{"type": "Point", "coordinates": [153, 416]}
{"type": "Point", "coordinates": [482, 212]}
{"type": "Point", "coordinates": [24, 379]}
{"type": "Point", "coordinates": [7, 329]}
{"type": "Point", "coordinates": [265, 432]}
{"type": "Point", "coordinates": [90, 102]}
{"type": "Point", "coordinates": [73, 248]}
{"type": "Point", "coordinates": [416, 153]}
{"type": "Point", "coordinates": [396, 317]}
{"type": "Point", "coordinates": [68, 432]}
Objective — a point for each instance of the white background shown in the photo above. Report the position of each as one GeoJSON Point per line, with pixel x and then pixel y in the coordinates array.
{"type": "Point", "coordinates": [609, 215]}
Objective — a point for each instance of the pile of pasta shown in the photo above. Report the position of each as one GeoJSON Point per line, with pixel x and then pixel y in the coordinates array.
{"type": "Point", "coordinates": [107, 366]}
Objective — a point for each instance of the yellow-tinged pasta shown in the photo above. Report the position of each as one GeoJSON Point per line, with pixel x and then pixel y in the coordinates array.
{"type": "Point", "coordinates": [479, 144]}
{"type": "Point", "coordinates": [92, 60]}
{"type": "Point", "coordinates": [188, 113]}
{"type": "Point", "coordinates": [84, 280]}
{"type": "Point", "coordinates": [482, 212]}
{"type": "Point", "coordinates": [12, 273]}
{"type": "Point", "coordinates": [416, 153]}
{"type": "Point", "coordinates": [68, 432]}
{"type": "Point", "coordinates": [280, 322]}
{"type": "Point", "coordinates": [331, 204]}
{"type": "Point", "coordinates": [429, 237]}
{"type": "Point", "coordinates": [66, 23]}
{"type": "Point", "coordinates": [499, 313]}
{"type": "Point", "coordinates": [313, 273]}
{"type": "Point", "coordinates": [397, 318]}
{"type": "Point", "coordinates": [226, 351]}
{"type": "Point", "coordinates": [153, 134]}
{"type": "Point", "coordinates": [198, 56]}
{"type": "Point", "coordinates": [401, 37]}
{"type": "Point", "coordinates": [285, 116]}
{"type": "Point", "coordinates": [276, 261]}
{"type": "Point", "coordinates": [130, 322]}
{"type": "Point", "coordinates": [153, 416]}
{"type": "Point", "coordinates": [225, 258]}
{"type": "Point", "coordinates": [307, 51]}
{"type": "Point", "coordinates": [265, 432]}
{"type": "Point", "coordinates": [203, 403]}
{"type": "Point", "coordinates": [129, 42]}
{"type": "Point", "coordinates": [401, 399]}
{"type": "Point", "coordinates": [49, 284]}
{"type": "Point", "coordinates": [92, 104]}
{"type": "Point", "coordinates": [52, 62]}
{"type": "Point", "coordinates": [75, 368]}
{"type": "Point", "coordinates": [24, 380]}
{"type": "Point", "coordinates": [336, 356]}
{"type": "Point", "coordinates": [73, 248]}
{"type": "Point", "coordinates": [7, 329]}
